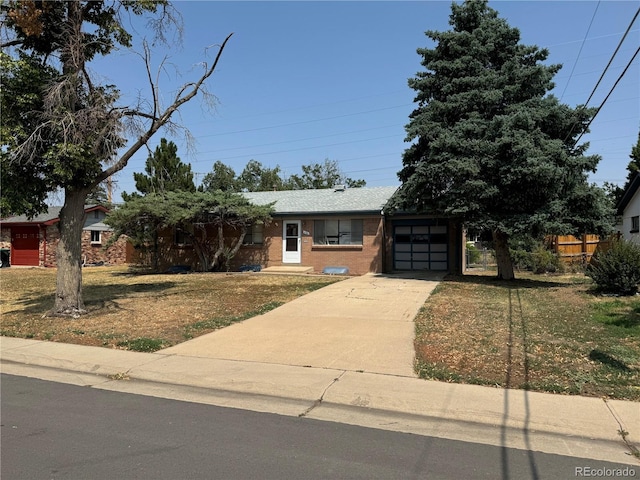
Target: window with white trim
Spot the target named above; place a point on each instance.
(254, 235)
(635, 224)
(337, 232)
(96, 237)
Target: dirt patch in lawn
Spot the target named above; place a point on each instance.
(143, 312)
(549, 334)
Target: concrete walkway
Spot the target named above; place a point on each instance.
(360, 324)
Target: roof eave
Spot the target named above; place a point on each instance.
(628, 195)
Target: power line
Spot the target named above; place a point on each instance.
(613, 56)
(303, 148)
(305, 121)
(608, 95)
(300, 139)
(600, 79)
(580, 51)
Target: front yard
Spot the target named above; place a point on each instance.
(142, 312)
(544, 333)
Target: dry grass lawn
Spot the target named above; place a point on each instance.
(544, 333)
(142, 312)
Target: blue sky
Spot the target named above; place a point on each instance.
(300, 82)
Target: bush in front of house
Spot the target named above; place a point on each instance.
(616, 270)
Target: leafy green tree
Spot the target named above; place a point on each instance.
(222, 177)
(73, 136)
(25, 186)
(257, 178)
(206, 218)
(164, 172)
(323, 175)
(490, 146)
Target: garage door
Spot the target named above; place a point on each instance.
(25, 242)
(420, 247)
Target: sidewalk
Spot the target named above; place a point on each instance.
(311, 368)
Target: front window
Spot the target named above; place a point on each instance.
(337, 232)
(635, 224)
(254, 235)
(95, 236)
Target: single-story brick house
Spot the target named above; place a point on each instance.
(33, 242)
(337, 227)
(628, 210)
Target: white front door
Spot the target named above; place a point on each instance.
(291, 241)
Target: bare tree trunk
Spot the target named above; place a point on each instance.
(503, 257)
(68, 300)
(220, 249)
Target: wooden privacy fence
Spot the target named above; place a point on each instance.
(574, 250)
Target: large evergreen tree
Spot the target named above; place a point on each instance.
(72, 137)
(164, 172)
(490, 146)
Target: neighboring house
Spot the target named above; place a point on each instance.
(33, 242)
(628, 209)
(338, 227)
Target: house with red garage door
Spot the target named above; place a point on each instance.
(33, 241)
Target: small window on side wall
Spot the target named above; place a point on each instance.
(180, 237)
(96, 237)
(254, 235)
(635, 224)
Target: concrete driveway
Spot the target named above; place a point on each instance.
(359, 324)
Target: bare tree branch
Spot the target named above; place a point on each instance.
(159, 120)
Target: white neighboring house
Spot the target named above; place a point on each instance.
(628, 209)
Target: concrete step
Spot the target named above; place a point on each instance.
(287, 269)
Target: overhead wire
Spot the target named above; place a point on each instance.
(580, 51)
(585, 128)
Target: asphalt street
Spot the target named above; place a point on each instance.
(59, 431)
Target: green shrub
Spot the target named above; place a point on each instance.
(616, 270)
(539, 260)
(543, 261)
(521, 259)
(473, 254)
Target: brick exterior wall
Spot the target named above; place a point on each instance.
(374, 255)
(5, 237)
(92, 253)
(360, 259)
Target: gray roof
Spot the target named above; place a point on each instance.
(52, 213)
(325, 201)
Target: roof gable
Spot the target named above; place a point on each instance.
(324, 201)
(628, 194)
